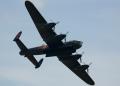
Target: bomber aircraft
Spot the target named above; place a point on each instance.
(54, 46)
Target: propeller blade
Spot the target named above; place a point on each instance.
(66, 36)
(80, 59)
(90, 63)
(83, 53)
(65, 39)
(55, 25)
(54, 28)
(89, 66)
(67, 33)
(57, 22)
(87, 70)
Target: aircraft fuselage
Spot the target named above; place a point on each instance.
(69, 47)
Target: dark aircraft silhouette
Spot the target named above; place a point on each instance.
(54, 46)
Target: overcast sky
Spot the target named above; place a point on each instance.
(95, 22)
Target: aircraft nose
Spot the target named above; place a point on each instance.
(80, 44)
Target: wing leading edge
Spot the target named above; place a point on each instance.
(36, 16)
(41, 24)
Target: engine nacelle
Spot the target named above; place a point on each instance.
(22, 53)
(50, 25)
(76, 56)
(84, 67)
(60, 37)
(57, 38)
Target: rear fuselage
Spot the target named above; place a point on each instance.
(66, 49)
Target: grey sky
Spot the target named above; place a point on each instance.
(95, 22)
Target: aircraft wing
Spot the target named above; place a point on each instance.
(74, 66)
(36, 16)
(39, 21)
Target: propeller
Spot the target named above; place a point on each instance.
(66, 36)
(81, 56)
(58, 22)
(55, 25)
(88, 67)
(81, 59)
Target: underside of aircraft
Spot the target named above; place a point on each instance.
(55, 46)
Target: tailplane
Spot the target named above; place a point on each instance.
(17, 36)
(20, 43)
(39, 63)
(26, 51)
